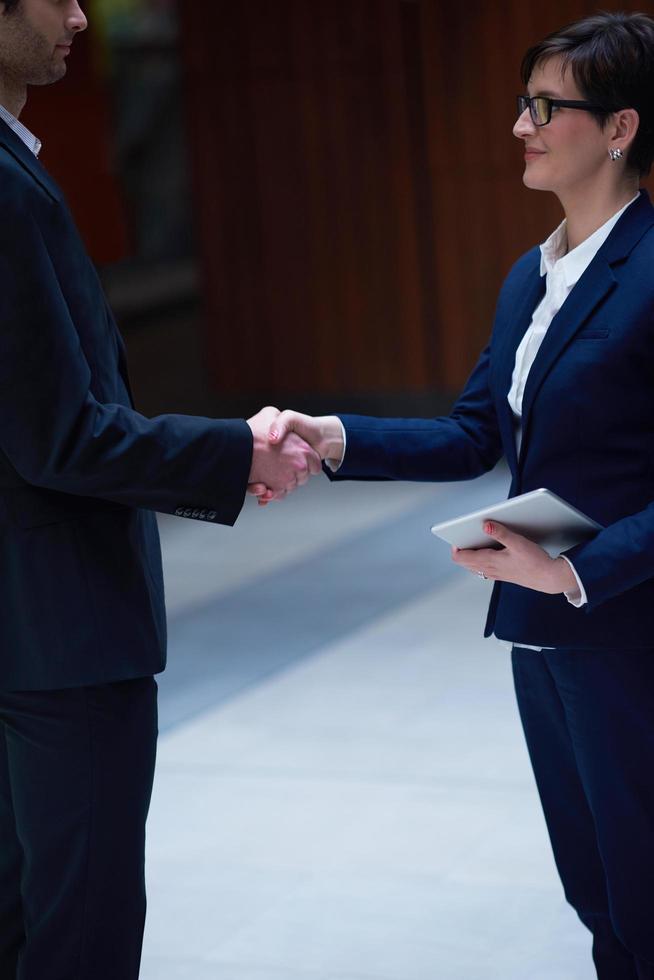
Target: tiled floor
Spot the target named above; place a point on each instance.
(342, 789)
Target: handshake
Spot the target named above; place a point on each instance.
(288, 449)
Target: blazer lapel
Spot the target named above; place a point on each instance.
(585, 298)
(26, 159)
(532, 292)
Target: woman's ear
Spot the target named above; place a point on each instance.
(623, 129)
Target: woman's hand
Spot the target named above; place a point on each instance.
(519, 561)
(325, 434)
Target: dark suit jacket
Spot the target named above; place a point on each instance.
(81, 472)
(588, 435)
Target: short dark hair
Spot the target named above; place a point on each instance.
(9, 5)
(611, 56)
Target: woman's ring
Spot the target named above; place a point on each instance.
(481, 575)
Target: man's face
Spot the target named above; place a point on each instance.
(35, 39)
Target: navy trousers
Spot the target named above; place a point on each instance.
(588, 717)
(76, 771)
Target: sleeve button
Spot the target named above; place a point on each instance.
(211, 516)
(179, 512)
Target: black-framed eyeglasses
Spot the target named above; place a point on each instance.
(540, 107)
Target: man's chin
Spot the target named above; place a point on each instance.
(54, 73)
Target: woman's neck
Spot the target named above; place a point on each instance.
(587, 212)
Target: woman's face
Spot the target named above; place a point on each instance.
(571, 150)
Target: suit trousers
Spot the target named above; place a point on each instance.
(76, 771)
(588, 718)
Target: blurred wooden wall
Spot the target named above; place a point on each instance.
(358, 186)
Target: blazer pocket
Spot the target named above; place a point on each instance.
(593, 333)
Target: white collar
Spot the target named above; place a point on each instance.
(573, 264)
(29, 139)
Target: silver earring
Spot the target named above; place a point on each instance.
(616, 153)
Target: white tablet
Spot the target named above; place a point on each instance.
(539, 515)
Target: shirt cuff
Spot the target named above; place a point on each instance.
(575, 599)
(335, 464)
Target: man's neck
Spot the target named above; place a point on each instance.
(12, 96)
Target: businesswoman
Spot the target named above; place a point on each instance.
(565, 390)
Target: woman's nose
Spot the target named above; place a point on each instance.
(524, 125)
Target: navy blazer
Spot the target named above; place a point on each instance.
(81, 472)
(588, 435)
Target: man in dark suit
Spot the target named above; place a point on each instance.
(82, 620)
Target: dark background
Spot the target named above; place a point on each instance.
(310, 203)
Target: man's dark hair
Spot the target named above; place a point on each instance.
(611, 56)
(9, 5)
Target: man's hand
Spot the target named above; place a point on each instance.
(520, 561)
(324, 433)
(278, 467)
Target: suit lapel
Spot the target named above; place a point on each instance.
(24, 156)
(14, 145)
(587, 296)
(531, 293)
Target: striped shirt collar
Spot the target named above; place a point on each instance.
(29, 139)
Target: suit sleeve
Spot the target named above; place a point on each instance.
(460, 446)
(618, 558)
(57, 435)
